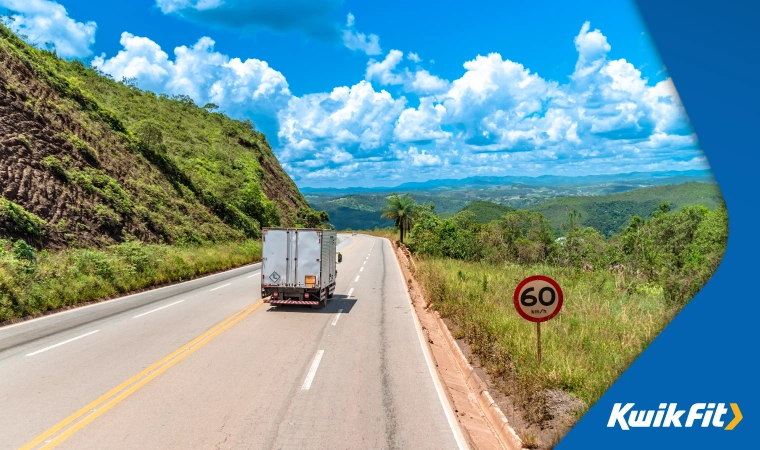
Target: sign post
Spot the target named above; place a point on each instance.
(538, 299)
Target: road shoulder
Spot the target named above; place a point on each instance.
(478, 415)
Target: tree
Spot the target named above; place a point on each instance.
(400, 210)
(308, 218)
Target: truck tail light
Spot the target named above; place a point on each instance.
(306, 295)
(274, 294)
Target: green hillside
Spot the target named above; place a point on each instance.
(92, 161)
(607, 213)
(486, 212)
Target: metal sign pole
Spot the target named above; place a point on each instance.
(538, 340)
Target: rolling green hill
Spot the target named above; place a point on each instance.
(486, 212)
(607, 213)
(89, 161)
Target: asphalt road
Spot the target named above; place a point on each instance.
(205, 364)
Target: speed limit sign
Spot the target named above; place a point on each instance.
(538, 298)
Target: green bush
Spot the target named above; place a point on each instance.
(16, 219)
(89, 154)
(56, 167)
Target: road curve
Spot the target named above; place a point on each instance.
(206, 364)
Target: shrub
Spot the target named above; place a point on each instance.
(56, 167)
(16, 219)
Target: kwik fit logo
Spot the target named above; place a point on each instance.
(668, 415)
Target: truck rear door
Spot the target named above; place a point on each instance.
(309, 256)
(274, 258)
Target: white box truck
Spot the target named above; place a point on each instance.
(298, 266)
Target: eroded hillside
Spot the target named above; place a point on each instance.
(86, 160)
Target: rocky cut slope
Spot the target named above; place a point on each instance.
(86, 160)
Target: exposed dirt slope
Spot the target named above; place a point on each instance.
(77, 166)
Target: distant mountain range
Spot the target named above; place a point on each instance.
(645, 178)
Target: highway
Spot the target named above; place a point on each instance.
(206, 364)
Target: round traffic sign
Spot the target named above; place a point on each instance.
(538, 298)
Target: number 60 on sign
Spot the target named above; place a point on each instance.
(538, 298)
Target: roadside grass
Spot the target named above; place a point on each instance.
(389, 233)
(33, 282)
(605, 323)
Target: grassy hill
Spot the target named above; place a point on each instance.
(89, 161)
(607, 213)
(486, 212)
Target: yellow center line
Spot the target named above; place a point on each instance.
(349, 248)
(172, 359)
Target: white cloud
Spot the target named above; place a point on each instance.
(497, 118)
(355, 40)
(384, 71)
(413, 57)
(356, 119)
(422, 123)
(240, 88)
(420, 81)
(592, 50)
(421, 158)
(47, 23)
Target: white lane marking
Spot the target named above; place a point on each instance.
(157, 309)
(362, 269)
(254, 274)
(312, 371)
(447, 409)
(350, 291)
(365, 262)
(219, 287)
(357, 279)
(337, 316)
(62, 343)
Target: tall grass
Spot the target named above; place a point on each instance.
(34, 282)
(605, 323)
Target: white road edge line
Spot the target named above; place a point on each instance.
(157, 309)
(357, 279)
(219, 287)
(447, 408)
(350, 291)
(254, 274)
(312, 371)
(62, 343)
(337, 316)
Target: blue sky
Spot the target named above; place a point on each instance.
(356, 93)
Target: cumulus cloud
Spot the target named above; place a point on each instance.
(592, 49)
(247, 88)
(47, 24)
(357, 119)
(422, 158)
(354, 40)
(387, 72)
(498, 117)
(315, 18)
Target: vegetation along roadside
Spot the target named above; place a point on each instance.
(106, 188)
(620, 292)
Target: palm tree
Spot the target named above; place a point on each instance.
(400, 210)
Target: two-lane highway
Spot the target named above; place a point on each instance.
(206, 364)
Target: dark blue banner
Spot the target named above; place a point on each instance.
(695, 386)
